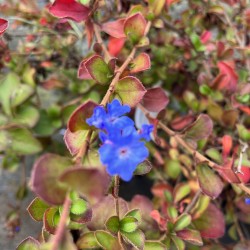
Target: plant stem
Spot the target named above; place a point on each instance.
(116, 195)
(62, 224)
(191, 150)
(193, 202)
(84, 148)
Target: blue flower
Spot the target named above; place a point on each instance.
(121, 152)
(247, 201)
(122, 146)
(105, 120)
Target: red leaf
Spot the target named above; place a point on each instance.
(115, 28)
(179, 123)
(115, 45)
(3, 25)
(227, 78)
(227, 144)
(155, 100)
(245, 177)
(77, 120)
(83, 72)
(89, 32)
(159, 219)
(69, 9)
(140, 63)
(211, 224)
(205, 37)
(227, 172)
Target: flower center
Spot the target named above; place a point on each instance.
(123, 152)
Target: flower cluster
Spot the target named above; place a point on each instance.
(122, 146)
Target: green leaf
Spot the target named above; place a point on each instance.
(196, 41)
(172, 168)
(29, 244)
(113, 224)
(7, 87)
(26, 115)
(209, 181)
(180, 191)
(45, 178)
(106, 240)
(23, 142)
(143, 168)
(98, 69)
(154, 245)
(136, 238)
(179, 243)
(172, 212)
(88, 241)
(214, 154)
(78, 207)
(21, 94)
(5, 140)
(136, 213)
(128, 224)
(130, 90)
(134, 27)
(183, 221)
(37, 209)
(244, 133)
(156, 6)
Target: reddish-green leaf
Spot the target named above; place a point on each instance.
(130, 90)
(191, 236)
(180, 191)
(140, 63)
(98, 69)
(209, 181)
(45, 178)
(74, 141)
(155, 99)
(3, 25)
(134, 27)
(69, 9)
(50, 219)
(77, 120)
(113, 224)
(37, 208)
(82, 180)
(29, 244)
(103, 210)
(88, 241)
(143, 168)
(200, 129)
(115, 28)
(106, 240)
(136, 238)
(211, 223)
